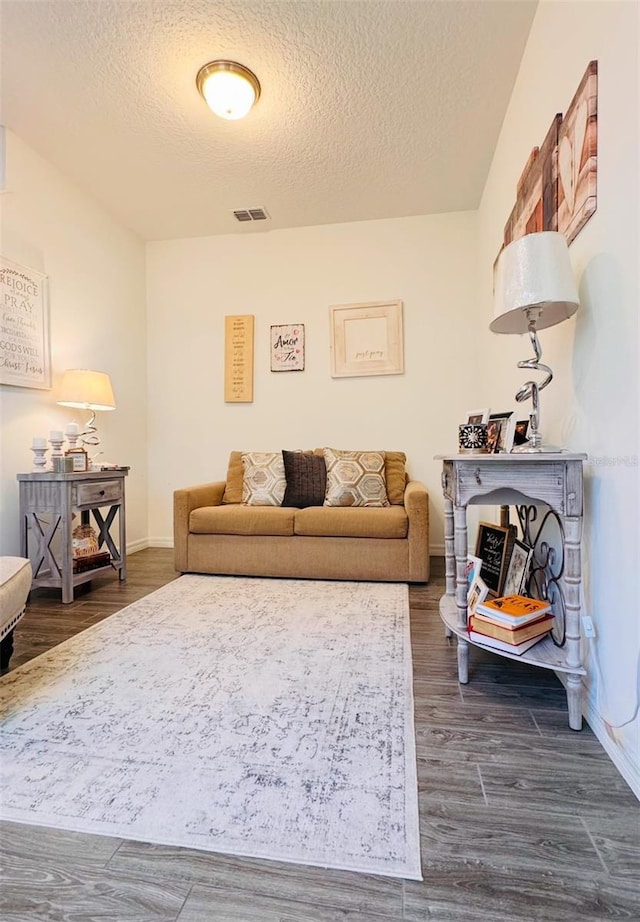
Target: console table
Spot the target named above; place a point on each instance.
(55, 496)
(526, 481)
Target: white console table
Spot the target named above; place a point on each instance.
(527, 481)
(56, 496)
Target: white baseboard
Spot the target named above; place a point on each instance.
(139, 545)
(159, 542)
(436, 550)
(621, 760)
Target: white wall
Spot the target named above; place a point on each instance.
(96, 273)
(592, 404)
(293, 276)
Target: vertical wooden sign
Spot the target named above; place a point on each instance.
(238, 358)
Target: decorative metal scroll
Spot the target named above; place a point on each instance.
(547, 563)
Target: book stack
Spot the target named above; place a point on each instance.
(91, 561)
(512, 623)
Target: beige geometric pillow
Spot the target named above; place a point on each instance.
(355, 478)
(264, 481)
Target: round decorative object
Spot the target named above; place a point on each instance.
(472, 437)
(84, 540)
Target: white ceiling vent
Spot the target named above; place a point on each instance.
(251, 214)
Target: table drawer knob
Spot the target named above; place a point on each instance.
(478, 477)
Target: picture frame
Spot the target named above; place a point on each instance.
(478, 416)
(500, 432)
(25, 350)
(366, 339)
(79, 458)
(577, 154)
(287, 347)
(478, 592)
(521, 432)
(474, 565)
(518, 568)
(493, 547)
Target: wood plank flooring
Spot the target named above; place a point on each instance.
(521, 818)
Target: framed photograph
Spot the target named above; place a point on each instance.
(287, 347)
(25, 353)
(473, 570)
(478, 593)
(493, 547)
(478, 416)
(521, 432)
(79, 458)
(500, 430)
(367, 339)
(518, 569)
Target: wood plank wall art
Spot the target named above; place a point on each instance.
(25, 354)
(238, 358)
(557, 188)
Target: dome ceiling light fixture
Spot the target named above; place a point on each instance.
(228, 88)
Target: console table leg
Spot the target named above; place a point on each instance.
(463, 661)
(574, 700)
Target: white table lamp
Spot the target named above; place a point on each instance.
(534, 289)
(89, 390)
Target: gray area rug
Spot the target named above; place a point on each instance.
(256, 717)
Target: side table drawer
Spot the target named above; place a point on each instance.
(98, 493)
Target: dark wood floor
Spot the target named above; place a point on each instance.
(521, 818)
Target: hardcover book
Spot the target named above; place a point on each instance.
(513, 610)
(505, 647)
(485, 626)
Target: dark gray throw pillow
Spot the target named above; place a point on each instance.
(306, 476)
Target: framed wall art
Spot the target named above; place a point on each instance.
(25, 356)
(238, 358)
(287, 347)
(367, 339)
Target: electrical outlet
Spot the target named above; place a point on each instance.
(588, 626)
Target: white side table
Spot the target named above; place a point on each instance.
(526, 481)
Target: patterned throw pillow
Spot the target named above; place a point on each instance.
(355, 478)
(306, 475)
(263, 483)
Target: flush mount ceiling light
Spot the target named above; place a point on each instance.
(228, 88)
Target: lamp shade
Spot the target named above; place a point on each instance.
(534, 272)
(88, 389)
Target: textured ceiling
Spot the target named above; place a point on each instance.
(368, 109)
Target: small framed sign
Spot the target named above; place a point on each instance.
(79, 459)
(493, 547)
(287, 347)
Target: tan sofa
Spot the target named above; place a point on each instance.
(215, 533)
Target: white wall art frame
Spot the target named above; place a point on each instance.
(287, 347)
(25, 351)
(367, 339)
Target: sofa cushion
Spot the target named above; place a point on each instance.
(235, 472)
(263, 482)
(236, 519)
(306, 475)
(396, 476)
(335, 522)
(355, 478)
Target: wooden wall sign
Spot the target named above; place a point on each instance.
(24, 327)
(238, 358)
(557, 188)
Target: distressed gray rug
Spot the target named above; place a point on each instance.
(256, 717)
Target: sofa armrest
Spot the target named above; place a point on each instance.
(416, 504)
(184, 502)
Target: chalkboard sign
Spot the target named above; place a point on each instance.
(493, 547)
